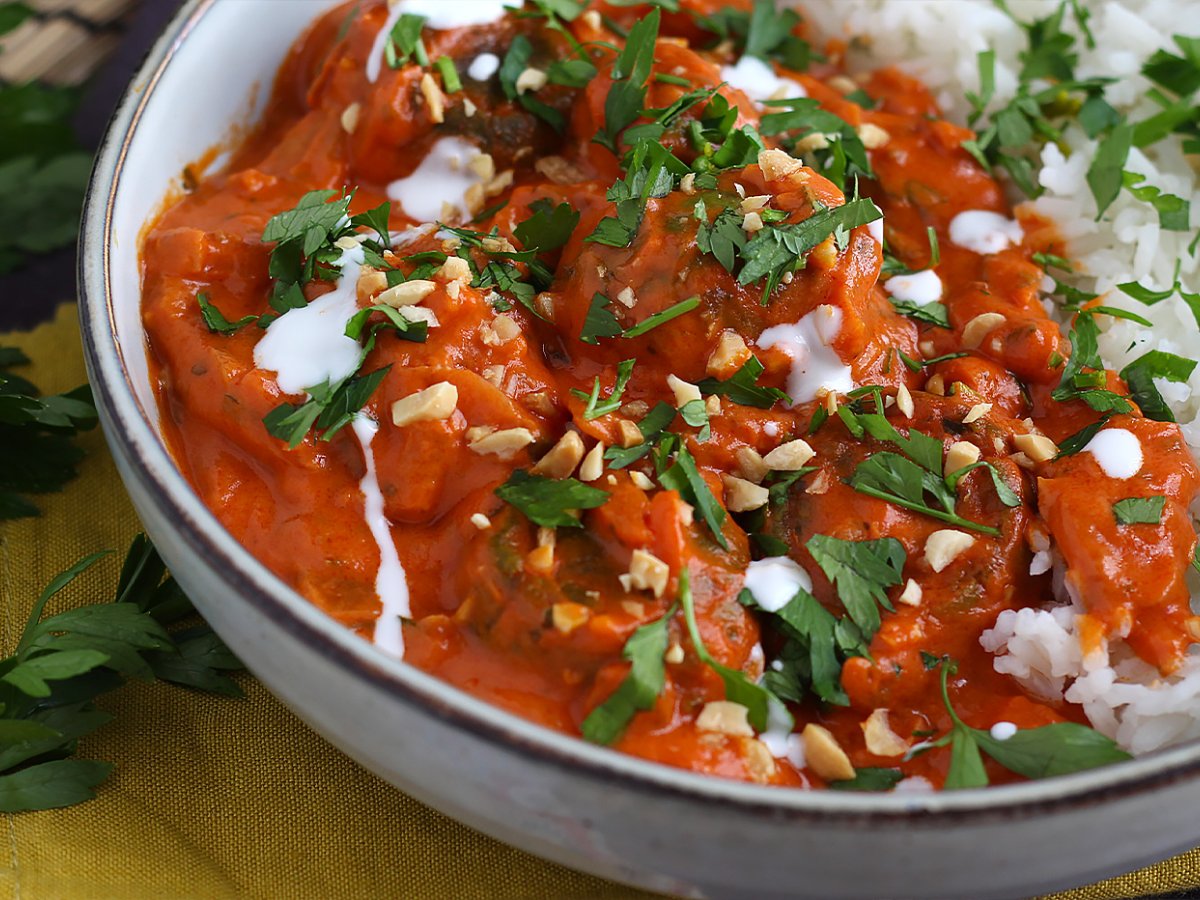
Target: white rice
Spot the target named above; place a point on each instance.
(938, 41)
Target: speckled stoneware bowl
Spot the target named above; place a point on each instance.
(552, 795)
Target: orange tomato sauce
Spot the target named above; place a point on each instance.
(487, 614)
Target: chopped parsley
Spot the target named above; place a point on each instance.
(550, 501)
(742, 387)
(215, 319)
(1032, 752)
(1140, 375)
(600, 322)
(861, 571)
(596, 407)
(934, 313)
(630, 74)
(1139, 510)
(641, 686)
(549, 228)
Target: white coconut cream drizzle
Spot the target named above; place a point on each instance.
(774, 581)
(484, 66)
(442, 177)
(875, 229)
(781, 741)
(306, 347)
(985, 232)
(439, 15)
(815, 364)
(390, 582)
(1118, 452)
(758, 81)
(919, 287)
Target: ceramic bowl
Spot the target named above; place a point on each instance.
(584, 806)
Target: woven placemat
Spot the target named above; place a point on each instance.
(64, 42)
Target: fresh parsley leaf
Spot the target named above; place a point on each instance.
(1179, 74)
(405, 42)
(639, 689)
(1007, 495)
(595, 408)
(1140, 375)
(1174, 213)
(870, 779)
(933, 313)
(742, 387)
(630, 72)
(681, 475)
(1105, 176)
(215, 319)
(549, 227)
(1139, 510)
(63, 662)
(549, 501)
(662, 317)
(861, 571)
(599, 321)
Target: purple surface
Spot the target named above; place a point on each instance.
(30, 295)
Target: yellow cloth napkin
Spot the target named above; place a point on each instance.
(215, 798)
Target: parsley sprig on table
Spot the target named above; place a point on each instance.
(1043, 752)
(63, 662)
(37, 454)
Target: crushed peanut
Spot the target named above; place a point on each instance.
(685, 392)
(880, 738)
(776, 165)
(646, 573)
(724, 717)
(960, 455)
(568, 616)
(407, 293)
(350, 116)
(977, 412)
(531, 80)
(742, 495)
(978, 328)
(434, 403)
(751, 464)
(592, 466)
(480, 521)
(1037, 447)
(824, 755)
(912, 593)
(504, 444)
(872, 136)
(435, 99)
(790, 456)
(904, 401)
(729, 354)
(629, 434)
(944, 546)
(560, 461)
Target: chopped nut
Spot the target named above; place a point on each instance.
(562, 458)
(646, 573)
(978, 328)
(480, 521)
(350, 117)
(912, 594)
(825, 254)
(531, 80)
(370, 282)
(627, 298)
(960, 455)
(611, 479)
(455, 268)
(730, 353)
(813, 141)
(724, 717)
(483, 165)
(635, 608)
(641, 480)
(559, 170)
(674, 654)
(1037, 447)
(944, 546)
(936, 385)
(630, 434)
(592, 19)
(754, 204)
(751, 465)
(687, 183)
(500, 183)
(1192, 624)
(685, 392)
(1023, 461)
(434, 403)
(541, 560)
(777, 165)
(635, 409)
(497, 245)
(880, 738)
(842, 84)
(742, 495)
(831, 403)
(752, 222)
(504, 444)
(493, 375)
(346, 243)
(760, 764)
(977, 412)
(469, 108)
(592, 466)
(407, 293)
(904, 401)
(499, 331)
(872, 136)
(568, 616)
(824, 755)
(434, 98)
(820, 483)
(790, 456)
(712, 405)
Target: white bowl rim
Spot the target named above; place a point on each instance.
(135, 438)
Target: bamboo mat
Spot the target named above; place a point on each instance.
(64, 42)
